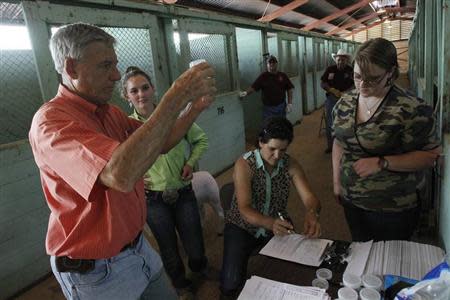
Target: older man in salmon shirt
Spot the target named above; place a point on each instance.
(92, 157)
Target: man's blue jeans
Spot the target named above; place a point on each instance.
(238, 246)
(272, 111)
(183, 216)
(330, 102)
(135, 273)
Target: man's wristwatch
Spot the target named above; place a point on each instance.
(383, 163)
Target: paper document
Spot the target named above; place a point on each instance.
(296, 248)
(359, 253)
(265, 289)
(403, 258)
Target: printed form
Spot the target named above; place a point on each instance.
(266, 289)
(296, 248)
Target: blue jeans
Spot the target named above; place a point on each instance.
(329, 105)
(238, 245)
(135, 273)
(368, 225)
(272, 111)
(183, 216)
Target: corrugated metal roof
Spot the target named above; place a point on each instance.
(304, 15)
(311, 11)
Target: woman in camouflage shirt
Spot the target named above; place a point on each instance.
(384, 139)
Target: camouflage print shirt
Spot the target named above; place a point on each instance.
(401, 124)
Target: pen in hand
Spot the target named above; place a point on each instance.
(282, 218)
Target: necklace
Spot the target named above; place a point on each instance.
(369, 108)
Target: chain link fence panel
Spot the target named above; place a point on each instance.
(20, 94)
(213, 48)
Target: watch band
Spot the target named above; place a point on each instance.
(383, 163)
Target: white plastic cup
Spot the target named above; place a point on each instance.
(372, 281)
(352, 281)
(347, 293)
(324, 273)
(196, 62)
(369, 294)
(320, 283)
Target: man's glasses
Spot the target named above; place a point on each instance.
(369, 81)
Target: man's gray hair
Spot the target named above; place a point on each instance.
(71, 40)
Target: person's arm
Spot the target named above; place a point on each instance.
(185, 122)
(198, 141)
(418, 140)
(256, 86)
(311, 203)
(134, 157)
(242, 177)
(406, 162)
(336, 156)
(325, 85)
(324, 80)
(250, 90)
(289, 96)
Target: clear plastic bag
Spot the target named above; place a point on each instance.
(435, 285)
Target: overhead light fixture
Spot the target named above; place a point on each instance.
(389, 25)
(380, 5)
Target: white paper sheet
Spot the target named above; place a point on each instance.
(359, 253)
(265, 289)
(404, 258)
(296, 248)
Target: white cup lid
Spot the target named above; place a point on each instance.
(347, 293)
(372, 281)
(351, 280)
(320, 283)
(369, 294)
(324, 273)
(196, 62)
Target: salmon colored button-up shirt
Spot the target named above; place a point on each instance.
(72, 141)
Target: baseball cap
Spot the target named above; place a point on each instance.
(272, 59)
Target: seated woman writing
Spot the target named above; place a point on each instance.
(262, 179)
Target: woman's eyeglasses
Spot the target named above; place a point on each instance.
(370, 81)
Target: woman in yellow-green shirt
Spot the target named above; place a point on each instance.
(171, 203)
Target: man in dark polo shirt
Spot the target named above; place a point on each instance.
(273, 85)
(337, 79)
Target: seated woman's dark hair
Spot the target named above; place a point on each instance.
(131, 72)
(276, 128)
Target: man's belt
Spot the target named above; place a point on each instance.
(184, 189)
(82, 266)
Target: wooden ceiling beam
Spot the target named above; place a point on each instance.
(282, 10)
(367, 27)
(371, 16)
(401, 18)
(352, 23)
(336, 14)
(399, 9)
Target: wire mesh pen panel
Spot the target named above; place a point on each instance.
(213, 48)
(20, 95)
(289, 64)
(133, 48)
